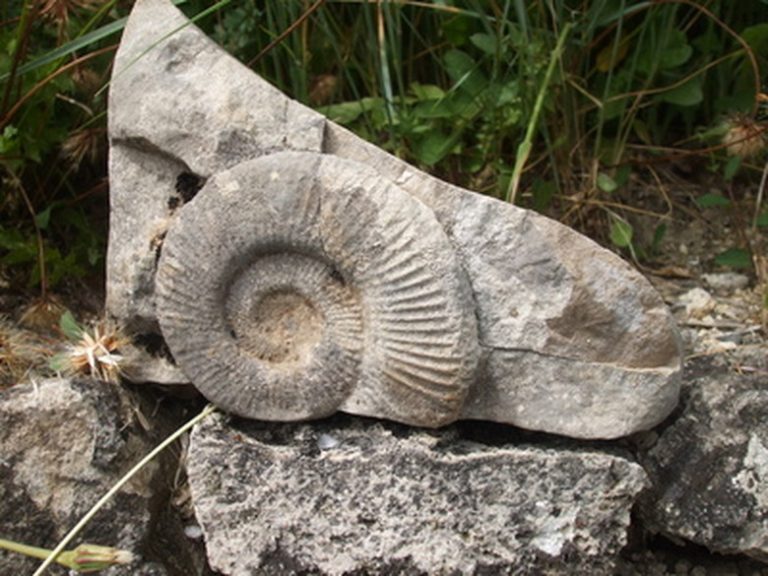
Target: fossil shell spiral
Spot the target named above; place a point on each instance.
(298, 284)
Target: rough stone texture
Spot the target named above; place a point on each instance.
(63, 444)
(572, 340)
(351, 496)
(709, 469)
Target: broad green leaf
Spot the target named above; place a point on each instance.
(456, 30)
(621, 233)
(734, 258)
(688, 94)
(69, 326)
(11, 239)
(433, 148)
(756, 36)
(43, 218)
(667, 52)
(464, 72)
(762, 220)
(732, 167)
(543, 191)
(9, 139)
(486, 42)
(427, 91)
(622, 175)
(23, 254)
(676, 52)
(348, 112)
(658, 236)
(711, 200)
(606, 61)
(60, 362)
(606, 183)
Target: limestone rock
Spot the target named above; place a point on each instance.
(709, 469)
(63, 443)
(569, 339)
(349, 496)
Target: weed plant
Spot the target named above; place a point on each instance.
(453, 86)
(54, 56)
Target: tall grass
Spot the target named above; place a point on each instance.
(452, 86)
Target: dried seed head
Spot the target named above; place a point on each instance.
(85, 143)
(95, 353)
(59, 10)
(20, 352)
(744, 136)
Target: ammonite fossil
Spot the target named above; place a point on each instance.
(289, 269)
(298, 284)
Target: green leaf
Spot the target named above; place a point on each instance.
(543, 191)
(664, 51)
(70, 327)
(732, 167)
(70, 47)
(60, 362)
(676, 52)
(434, 109)
(43, 218)
(486, 42)
(688, 94)
(621, 233)
(427, 91)
(348, 112)
(433, 148)
(9, 139)
(658, 236)
(606, 183)
(464, 72)
(11, 239)
(734, 258)
(762, 220)
(711, 200)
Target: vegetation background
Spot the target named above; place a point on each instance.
(591, 112)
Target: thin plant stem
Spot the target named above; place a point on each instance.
(31, 551)
(524, 150)
(25, 27)
(31, 92)
(759, 200)
(39, 238)
(285, 33)
(207, 411)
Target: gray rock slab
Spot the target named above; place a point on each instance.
(63, 444)
(354, 496)
(709, 469)
(571, 339)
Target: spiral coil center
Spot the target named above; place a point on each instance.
(283, 329)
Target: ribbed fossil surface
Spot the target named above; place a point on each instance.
(297, 284)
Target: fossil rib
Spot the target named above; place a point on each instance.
(284, 288)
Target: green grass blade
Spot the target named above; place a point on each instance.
(74, 45)
(70, 47)
(524, 149)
